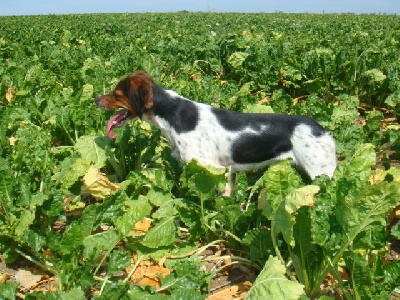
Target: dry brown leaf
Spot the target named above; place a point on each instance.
(10, 95)
(97, 184)
(343, 274)
(237, 291)
(142, 227)
(394, 214)
(12, 140)
(146, 274)
(298, 99)
(266, 99)
(27, 279)
(4, 277)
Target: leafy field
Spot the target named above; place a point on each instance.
(83, 216)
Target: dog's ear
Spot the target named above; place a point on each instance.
(141, 92)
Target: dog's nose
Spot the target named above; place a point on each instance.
(97, 100)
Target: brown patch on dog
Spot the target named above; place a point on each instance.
(135, 93)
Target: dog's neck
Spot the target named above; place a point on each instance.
(171, 110)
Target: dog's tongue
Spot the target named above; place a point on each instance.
(114, 121)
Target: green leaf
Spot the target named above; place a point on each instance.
(34, 240)
(119, 259)
(75, 293)
(158, 178)
(345, 113)
(25, 221)
(162, 234)
(237, 59)
(73, 239)
(8, 290)
(87, 93)
(202, 180)
(258, 109)
(71, 170)
(158, 198)
(92, 148)
(375, 75)
(358, 167)
(395, 231)
(187, 281)
(260, 243)
(362, 207)
(95, 244)
(393, 99)
(360, 273)
(137, 211)
(284, 219)
(271, 283)
(392, 274)
(278, 180)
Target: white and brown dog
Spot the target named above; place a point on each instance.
(220, 137)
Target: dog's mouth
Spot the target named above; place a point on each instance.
(118, 120)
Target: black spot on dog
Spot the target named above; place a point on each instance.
(253, 148)
(180, 113)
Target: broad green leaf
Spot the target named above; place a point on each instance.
(260, 243)
(158, 198)
(392, 274)
(393, 99)
(88, 220)
(95, 244)
(395, 231)
(258, 108)
(119, 259)
(75, 293)
(72, 169)
(271, 283)
(8, 290)
(245, 90)
(162, 234)
(360, 208)
(358, 167)
(166, 210)
(93, 149)
(202, 180)
(279, 180)
(72, 239)
(137, 211)
(237, 59)
(351, 175)
(284, 219)
(187, 279)
(87, 93)
(306, 256)
(24, 222)
(360, 273)
(345, 113)
(34, 240)
(158, 178)
(375, 75)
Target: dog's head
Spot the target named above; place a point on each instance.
(134, 94)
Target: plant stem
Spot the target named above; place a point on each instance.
(277, 252)
(139, 260)
(49, 269)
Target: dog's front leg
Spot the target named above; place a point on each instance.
(229, 183)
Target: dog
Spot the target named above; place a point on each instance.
(219, 137)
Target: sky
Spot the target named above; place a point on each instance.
(43, 7)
